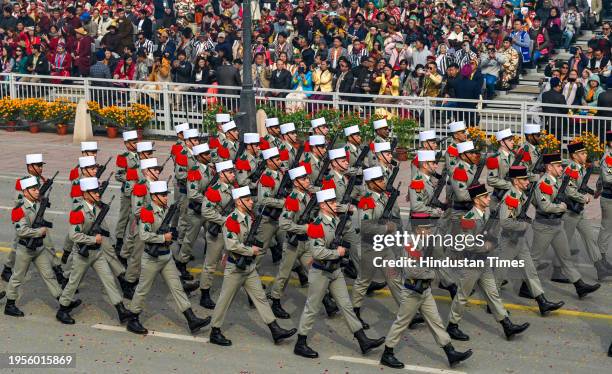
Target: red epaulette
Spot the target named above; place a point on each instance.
(213, 143)
(18, 185)
(17, 214)
(283, 154)
(572, 173)
(131, 174)
(512, 202)
(267, 181)
(76, 217)
(232, 225)
(366, 203)
(146, 215)
(181, 159)
(468, 224)
(492, 163)
(315, 231)
(328, 183)
(306, 166)
(139, 189)
(75, 190)
(452, 151)
(74, 174)
(176, 149)
(213, 195)
(223, 152)
(121, 161)
(546, 188)
(460, 175)
(244, 165)
(263, 144)
(417, 184)
(292, 204)
(194, 175)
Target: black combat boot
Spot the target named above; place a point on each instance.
(451, 288)
(524, 291)
(302, 275)
(330, 305)
(59, 275)
(7, 272)
(216, 337)
(389, 359)
(547, 306)
(190, 287)
(302, 349)
(123, 313)
(195, 323)
(416, 320)
(610, 350)
(602, 271)
(510, 329)
(455, 333)
(135, 326)
(583, 289)
(278, 310)
(205, 300)
(73, 304)
(364, 325)
(375, 286)
(10, 309)
(279, 333)
(182, 268)
(366, 344)
(128, 289)
(455, 357)
(63, 315)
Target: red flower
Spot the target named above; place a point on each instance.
(181, 159)
(267, 181)
(76, 217)
(17, 214)
(75, 191)
(492, 163)
(460, 175)
(512, 202)
(291, 204)
(139, 189)
(194, 175)
(366, 203)
(417, 185)
(306, 166)
(546, 188)
(315, 231)
(328, 183)
(74, 174)
(213, 195)
(232, 225)
(131, 175)
(468, 224)
(121, 161)
(146, 215)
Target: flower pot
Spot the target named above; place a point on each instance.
(140, 133)
(10, 126)
(62, 129)
(111, 132)
(401, 154)
(34, 127)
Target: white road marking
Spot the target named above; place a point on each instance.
(420, 369)
(46, 211)
(152, 333)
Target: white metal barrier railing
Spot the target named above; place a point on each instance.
(174, 103)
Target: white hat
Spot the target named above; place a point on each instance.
(88, 184)
(158, 187)
(317, 122)
(144, 147)
(28, 182)
(271, 122)
(228, 126)
(224, 165)
(372, 173)
(239, 192)
(426, 155)
(465, 146)
(379, 124)
(324, 195)
(87, 161)
(89, 146)
(456, 126)
(427, 135)
(382, 147)
(316, 140)
(337, 153)
(269, 153)
(191, 133)
(200, 148)
(503, 134)
(147, 163)
(348, 131)
(182, 127)
(34, 158)
(287, 128)
(300, 171)
(222, 117)
(251, 138)
(130, 135)
(531, 129)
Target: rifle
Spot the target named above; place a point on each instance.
(281, 192)
(584, 188)
(165, 227)
(39, 221)
(240, 151)
(214, 228)
(243, 261)
(322, 171)
(479, 169)
(435, 202)
(362, 155)
(522, 216)
(393, 143)
(346, 198)
(96, 228)
(438, 142)
(298, 156)
(332, 142)
(390, 203)
(102, 168)
(104, 184)
(391, 179)
(293, 238)
(255, 175)
(338, 241)
(47, 185)
(538, 166)
(517, 160)
(197, 207)
(561, 196)
(164, 164)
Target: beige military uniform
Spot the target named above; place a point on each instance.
(312, 164)
(530, 158)
(267, 189)
(178, 148)
(605, 201)
(499, 165)
(140, 198)
(226, 151)
(151, 218)
(183, 162)
(126, 174)
(461, 177)
(246, 164)
(234, 233)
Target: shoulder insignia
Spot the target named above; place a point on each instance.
(181, 159)
(146, 215)
(459, 174)
(315, 231)
(18, 185)
(512, 202)
(74, 174)
(292, 204)
(223, 152)
(307, 146)
(121, 161)
(546, 188)
(572, 173)
(452, 151)
(609, 161)
(17, 214)
(492, 163)
(283, 155)
(194, 175)
(75, 190)
(132, 174)
(213, 143)
(176, 149)
(267, 181)
(232, 225)
(76, 217)
(366, 203)
(263, 143)
(524, 154)
(469, 215)
(306, 166)
(468, 224)
(243, 164)
(328, 183)
(417, 184)
(213, 195)
(139, 190)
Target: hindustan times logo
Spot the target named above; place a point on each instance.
(457, 242)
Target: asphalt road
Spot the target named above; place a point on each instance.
(573, 340)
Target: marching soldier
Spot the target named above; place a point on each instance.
(458, 135)
(313, 160)
(157, 259)
(30, 245)
(318, 126)
(127, 174)
(573, 219)
(381, 135)
(216, 139)
(177, 149)
(325, 273)
(183, 162)
(290, 147)
(354, 145)
(248, 161)
(370, 210)
(272, 138)
(199, 178)
(241, 271)
(384, 158)
(605, 185)
(513, 244)
(473, 223)
(531, 152)
(215, 208)
(547, 227)
(228, 147)
(462, 176)
(417, 296)
(82, 218)
(499, 164)
(428, 142)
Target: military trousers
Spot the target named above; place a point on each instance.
(214, 252)
(551, 233)
(125, 206)
(193, 223)
(319, 282)
(130, 236)
(132, 271)
(42, 260)
(48, 246)
(367, 270)
(511, 250)
(233, 280)
(605, 232)
(290, 255)
(150, 268)
(573, 222)
(413, 302)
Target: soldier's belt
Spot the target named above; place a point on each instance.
(462, 205)
(240, 261)
(574, 206)
(548, 218)
(417, 285)
(273, 213)
(295, 239)
(498, 193)
(195, 206)
(36, 243)
(329, 265)
(606, 193)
